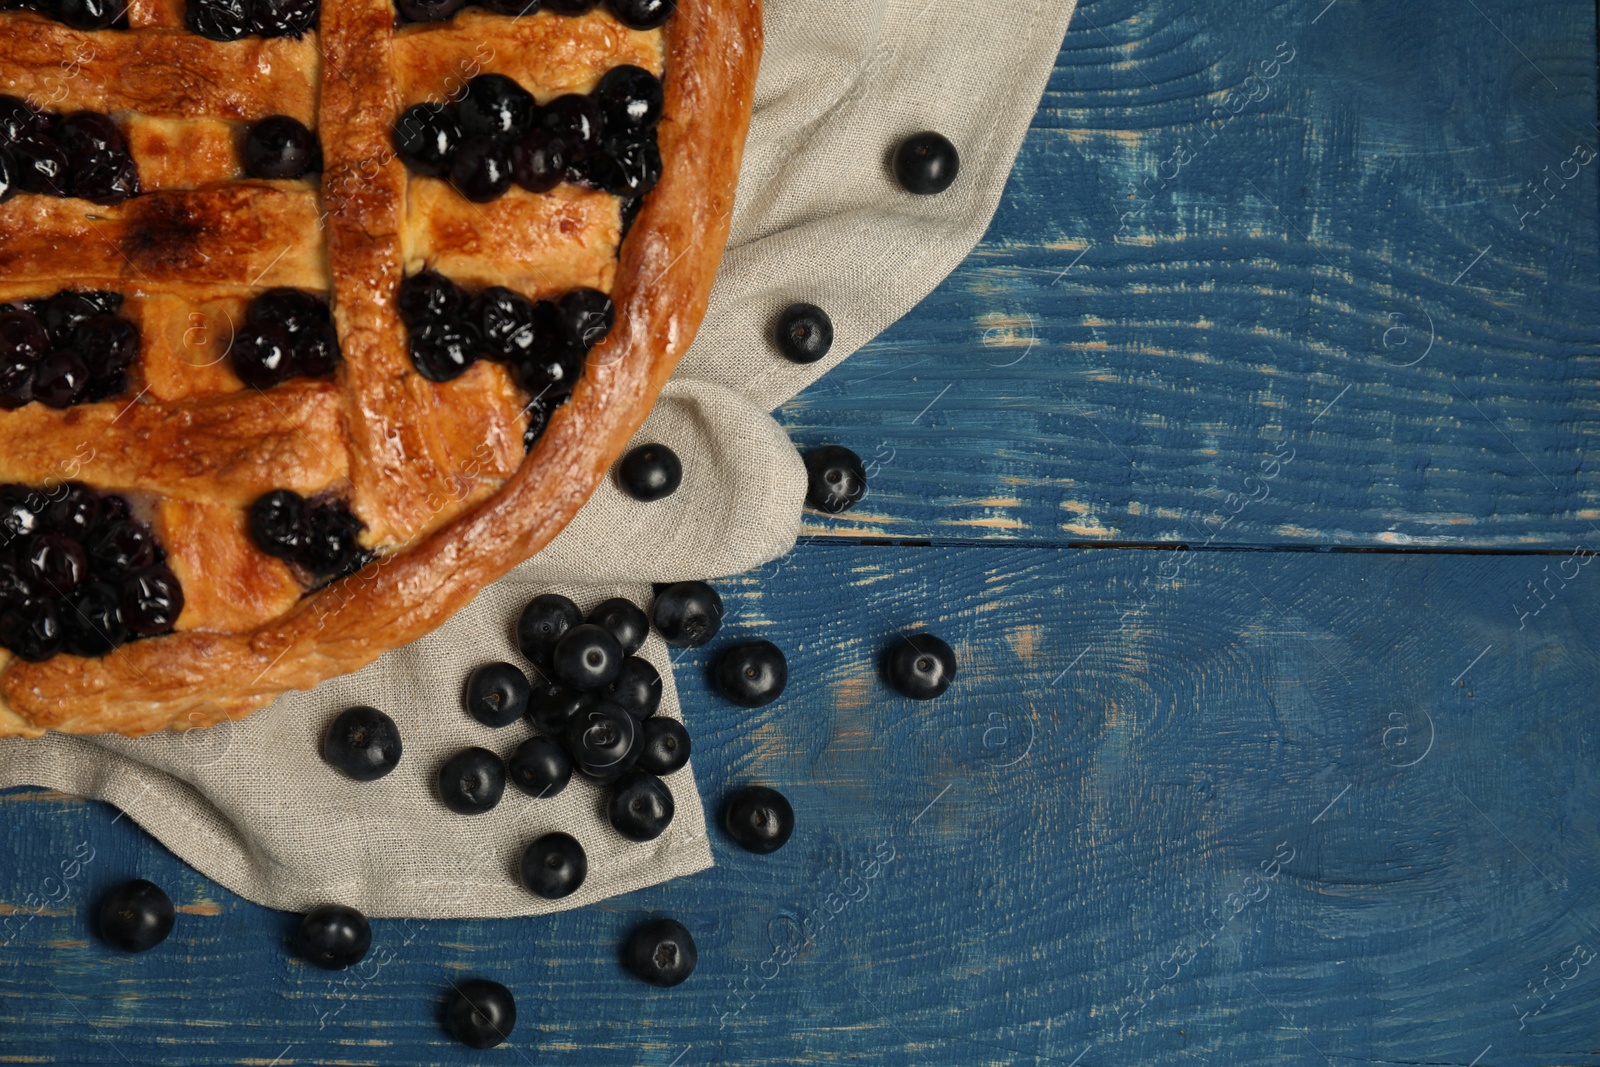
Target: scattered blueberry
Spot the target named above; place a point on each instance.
(587, 657)
(688, 614)
(626, 620)
(279, 147)
(629, 99)
(752, 674)
(482, 1013)
(554, 866)
(759, 819)
(363, 743)
(636, 689)
(836, 480)
(540, 767)
(650, 472)
(136, 916)
(426, 137)
(664, 746)
(662, 953)
(603, 740)
(543, 623)
(920, 666)
(926, 163)
(334, 937)
(472, 781)
(641, 807)
(551, 708)
(497, 694)
(805, 333)
(262, 356)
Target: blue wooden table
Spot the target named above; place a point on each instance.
(1270, 276)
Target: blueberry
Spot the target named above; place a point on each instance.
(496, 107)
(92, 625)
(32, 630)
(444, 350)
(73, 509)
(575, 119)
(752, 674)
(280, 524)
(109, 344)
(279, 147)
(641, 807)
(636, 688)
(15, 589)
(426, 137)
(54, 562)
(554, 866)
(586, 316)
(629, 99)
(285, 18)
(481, 169)
(663, 746)
(120, 547)
(219, 20)
(603, 740)
(106, 181)
(497, 694)
(471, 781)
(23, 337)
(152, 600)
(429, 10)
(805, 333)
(759, 819)
(649, 472)
(362, 743)
(836, 480)
(136, 916)
(539, 160)
(334, 937)
(551, 707)
(91, 15)
(688, 614)
(630, 211)
(570, 7)
(60, 379)
(586, 657)
(294, 311)
(552, 374)
(926, 163)
(540, 767)
(335, 549)
(429, 296)
(16, 383)
(662, 953)
(481, 1013)
(41, 165)
(17, 118)
(514, 8)
(21, 511)
(642, 14)
(626, 621)
(314, 353)
(504, 319)
(627, 167)
(538, 410)
(262, 356)
(65, 312)
(920, 666)
(87, 137)
(113, 508)
(544, 622)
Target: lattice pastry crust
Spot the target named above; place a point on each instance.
(435, 471)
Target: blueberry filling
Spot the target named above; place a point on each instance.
(287, 333)
(279, 147)
(496, 135)
(70, 348)
(78, 575)
(86, 15)
(635, 14)
(82, 154)
(322, 538)
(229, 20)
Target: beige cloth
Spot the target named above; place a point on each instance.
(252, 805)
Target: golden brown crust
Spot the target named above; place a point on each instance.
(663, 281)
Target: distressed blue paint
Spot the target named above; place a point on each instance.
(1130, 737)
(1296, 256)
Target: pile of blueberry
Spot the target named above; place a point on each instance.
(66, 349)
(288, 333)
(229, 20)
(83, 15)
(78, 573)
(635, 14)
(82, 154)
(321, 538)
(497, 134)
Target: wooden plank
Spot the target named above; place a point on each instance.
(1229, 808)
(1181, 277)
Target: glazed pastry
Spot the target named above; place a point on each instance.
(313, 323)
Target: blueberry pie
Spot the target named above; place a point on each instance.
(315, 321)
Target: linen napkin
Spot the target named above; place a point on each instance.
(818, 218)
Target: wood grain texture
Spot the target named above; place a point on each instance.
(1180, 276)
(1070, 854)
